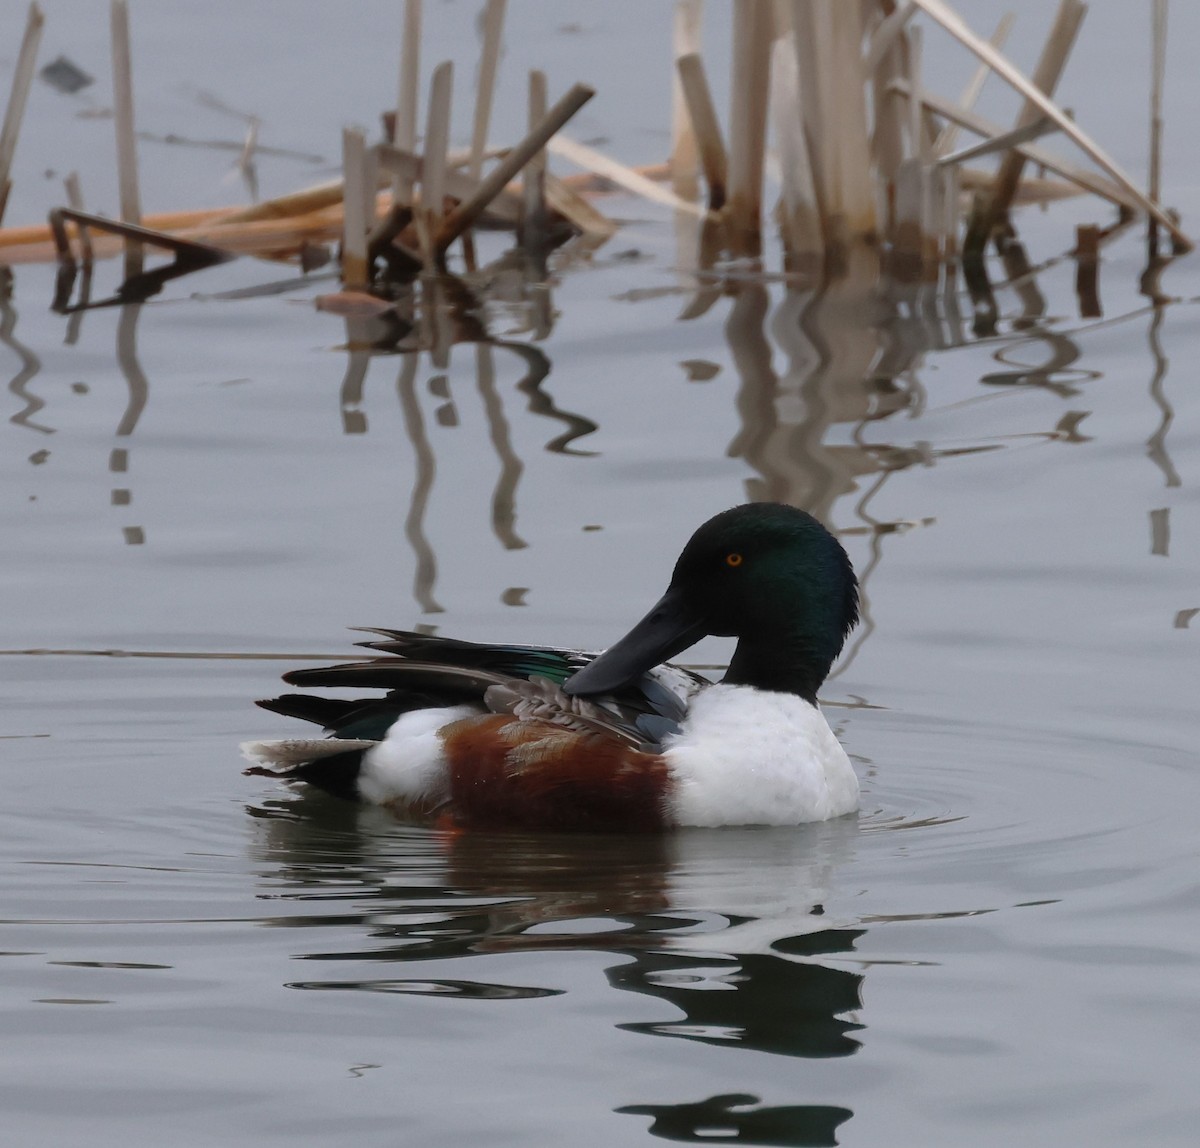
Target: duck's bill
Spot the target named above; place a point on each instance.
(669, 629)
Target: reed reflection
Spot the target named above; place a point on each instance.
(1156, 444)
(139, 395)
(428, 322)
(822, 367)
(511, 467)
(853, 348)
(836, 339)
(30, 364)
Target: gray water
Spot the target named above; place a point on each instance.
(1002, 948)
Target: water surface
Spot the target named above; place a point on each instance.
(1000, 948)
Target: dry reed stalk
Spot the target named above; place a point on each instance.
(75, 200)
(1085, 179)
(885, 62)
(827, 36)
(948, 136)
(1033, 189)
(428, 215)
(911, 226)
(1158, 67)
(17, 237)
(15, 112)
(303, 202)
(319, 196)
(497, 179)
(370, 184)
(316, 214)
(404, 131)
(916, 109)
(187, 252)
(942, 14)
(750, 87)
(245, 159)
(809, 23)
(685, 157)
(629, 178)
(493, 25)
(1005, 142)
(505, 206)
(271, 235)
(854, 193)
(561, 197)
(1050, 67)
(533, 222)
(127, 172)
(800, 223)
(593, 183)
(46, 250)
(355, 272)
(886, 34)
(706, 130)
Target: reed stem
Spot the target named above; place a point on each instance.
(15, 112)
(127, 167)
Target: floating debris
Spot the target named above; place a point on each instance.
(700, 370)
(65, 76)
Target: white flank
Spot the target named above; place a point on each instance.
(753, 757)
(408, 765)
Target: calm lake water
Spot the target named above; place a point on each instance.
(1002, 948)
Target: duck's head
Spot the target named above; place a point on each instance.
(767, 574)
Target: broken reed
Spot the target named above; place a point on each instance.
(866, 153)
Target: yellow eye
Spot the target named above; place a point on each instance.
(733, 559)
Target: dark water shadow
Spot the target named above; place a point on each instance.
(740, 1118)
(766, 1002)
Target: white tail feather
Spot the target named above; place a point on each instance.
(290, 752)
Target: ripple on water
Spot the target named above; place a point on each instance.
(465, 990)
(1005, 790)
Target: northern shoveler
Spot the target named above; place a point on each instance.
(542, 738)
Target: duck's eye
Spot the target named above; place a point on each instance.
(733, 559)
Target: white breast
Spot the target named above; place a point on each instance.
(752, 757)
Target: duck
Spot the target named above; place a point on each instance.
(472, 736)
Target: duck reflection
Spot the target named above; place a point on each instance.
(729, 1119)
(774, 1005)
(727, 929)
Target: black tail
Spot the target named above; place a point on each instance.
(318, 763)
